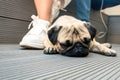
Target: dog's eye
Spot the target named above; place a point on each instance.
(86, 40)
(66, 44)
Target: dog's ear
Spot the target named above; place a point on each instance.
(91, 30)
(53, 34)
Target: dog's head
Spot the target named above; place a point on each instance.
(72, 39)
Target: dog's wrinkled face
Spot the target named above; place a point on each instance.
(72, 39)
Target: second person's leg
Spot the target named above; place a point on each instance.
(83, 10)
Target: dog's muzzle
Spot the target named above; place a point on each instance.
(78, 50)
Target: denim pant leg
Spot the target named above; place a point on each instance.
(83, 9)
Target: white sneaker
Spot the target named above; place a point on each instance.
(36, 36)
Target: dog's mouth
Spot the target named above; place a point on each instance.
(77, 50)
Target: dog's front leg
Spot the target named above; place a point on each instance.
(50, 48)
(103, 49)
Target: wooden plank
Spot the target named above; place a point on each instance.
(19, 9)
(114, 38)
(12, 31)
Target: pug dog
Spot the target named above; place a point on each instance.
(71, 37)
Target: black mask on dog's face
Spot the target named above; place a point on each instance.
(79, 48)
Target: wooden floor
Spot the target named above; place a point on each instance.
(20, 64)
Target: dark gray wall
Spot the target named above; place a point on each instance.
(14, 19)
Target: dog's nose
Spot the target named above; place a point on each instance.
(77, 45)
(77, 51)
(80, 51)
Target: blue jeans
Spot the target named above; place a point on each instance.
(83, 9)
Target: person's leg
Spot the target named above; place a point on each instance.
(83, 10)
(35, 37)
(43, 8)
(47, 10)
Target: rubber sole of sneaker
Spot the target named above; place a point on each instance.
(31, 46)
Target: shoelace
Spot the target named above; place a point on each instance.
(35, 18)
(31, 23)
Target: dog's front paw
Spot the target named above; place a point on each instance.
(109, 52)
(50, 50)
